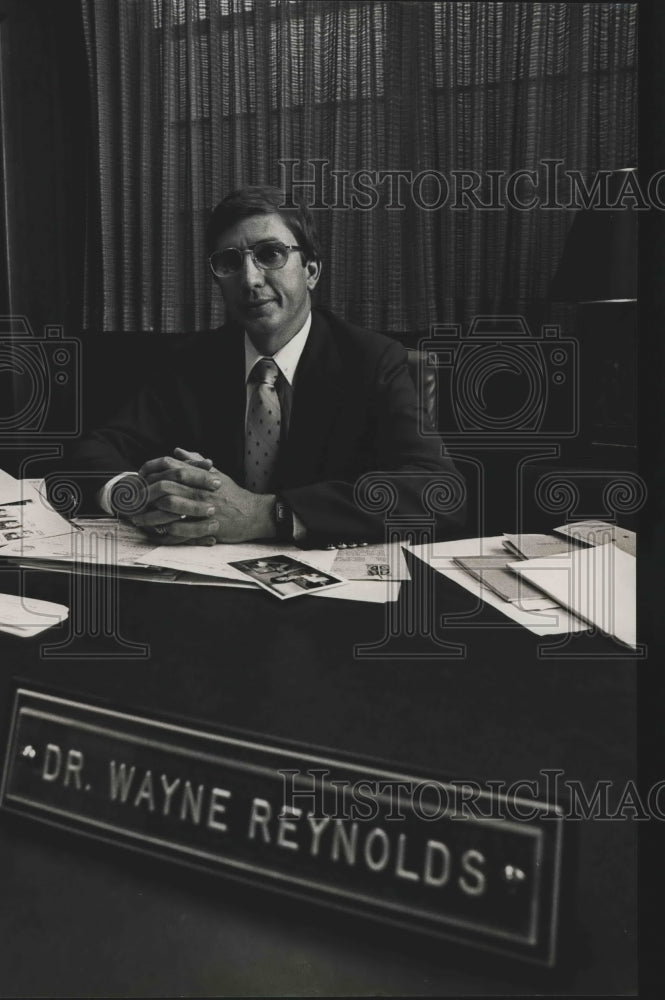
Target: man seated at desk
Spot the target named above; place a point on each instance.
(289, 404)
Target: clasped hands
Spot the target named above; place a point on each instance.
(189, 502)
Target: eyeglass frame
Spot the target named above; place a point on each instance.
(250, 251)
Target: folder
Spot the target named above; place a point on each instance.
(596, 584)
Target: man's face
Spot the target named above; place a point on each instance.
(271, 305)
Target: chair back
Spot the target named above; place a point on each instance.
(424, 378)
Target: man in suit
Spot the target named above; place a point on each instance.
(290, 406)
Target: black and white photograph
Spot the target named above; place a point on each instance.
(360, 302)
(285, 577)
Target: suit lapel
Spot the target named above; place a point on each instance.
(317, 397)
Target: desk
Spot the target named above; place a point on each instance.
(83, 919)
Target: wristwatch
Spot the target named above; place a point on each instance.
(283, 521)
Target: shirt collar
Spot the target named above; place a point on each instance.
(286, 358)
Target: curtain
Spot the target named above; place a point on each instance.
(191, 98)
(43, 126)
(43, 187)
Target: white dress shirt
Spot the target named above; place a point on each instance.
(286, 358)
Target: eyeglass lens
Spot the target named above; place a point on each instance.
(265, 255)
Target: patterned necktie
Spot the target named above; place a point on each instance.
(263, 427)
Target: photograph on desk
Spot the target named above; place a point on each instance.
(285, 577)
(336, 300)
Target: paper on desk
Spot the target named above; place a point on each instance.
(27, 517)
(25, 632)
(373, 592)
(10, 488)
(439, 555)
(598, 584)
(536, 546)
(495, 574)
(213, 560)
(105, 541)
(600, 533)
(37, 484)
(371, 562)
(148, 574)
(102, 541)
(28, 616)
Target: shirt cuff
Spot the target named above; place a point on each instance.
(103, 496)
(299, 529)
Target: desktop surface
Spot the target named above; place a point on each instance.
(90, 919)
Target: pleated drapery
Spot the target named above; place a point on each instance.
(191, 98)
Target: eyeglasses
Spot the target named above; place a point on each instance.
(269, 256)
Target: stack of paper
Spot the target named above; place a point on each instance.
(441, 556)
(41, 539)
(32, 533)
(103, 541)
(597, 584)
(588, 583)
(494, 572)
(373, 573)
(26, 616)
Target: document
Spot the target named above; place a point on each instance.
(440, 556)
(597, 584)
(10, 488)
(534, 546)
(27, 616)
(493, 572)
(106, 541)
(100, 541)
(600, 533)
(371, 562)
(26, 516)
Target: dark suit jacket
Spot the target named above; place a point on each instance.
(354, 411)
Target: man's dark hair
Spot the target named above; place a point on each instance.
(263, 200)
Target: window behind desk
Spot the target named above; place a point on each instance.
(193, 98)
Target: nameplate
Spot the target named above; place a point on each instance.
(417, 853)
